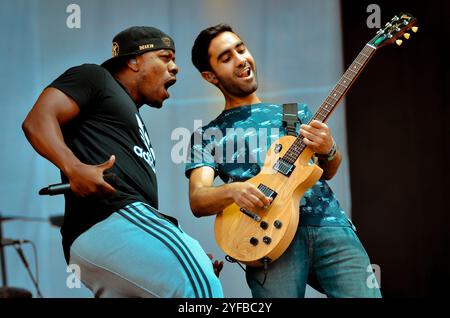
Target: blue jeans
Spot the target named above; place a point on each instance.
(334, 256)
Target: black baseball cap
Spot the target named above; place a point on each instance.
(137, 40)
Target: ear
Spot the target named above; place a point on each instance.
(210, 77)
(133, 64)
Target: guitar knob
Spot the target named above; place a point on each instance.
(267, 240)
(277, 224)
(254, 241)
(398, 42)
(414, 29)
(406, 36)
(278, 148)
(264, 225)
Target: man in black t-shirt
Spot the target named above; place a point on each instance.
(122, 244)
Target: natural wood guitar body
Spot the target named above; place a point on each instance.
(234, 229)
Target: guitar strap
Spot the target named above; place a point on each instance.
(290, 118)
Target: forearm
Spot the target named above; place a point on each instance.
(45, 135)
(210, 200)
(318, 138)
(42, 127)
(330, 167)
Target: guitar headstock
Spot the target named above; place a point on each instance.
(393, 30)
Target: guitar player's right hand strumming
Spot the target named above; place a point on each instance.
(206, 199)
(247, 196)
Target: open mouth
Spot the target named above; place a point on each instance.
(246, 72)
(169, 83)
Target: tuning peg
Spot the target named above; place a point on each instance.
(406, 36)
(398, 42)
(414, 29)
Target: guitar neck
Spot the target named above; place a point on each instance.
(333, 99)
(341, 88)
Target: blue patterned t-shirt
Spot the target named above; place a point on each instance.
(235, 145)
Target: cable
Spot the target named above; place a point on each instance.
(265, 261)
(266, 267)
(232, 260)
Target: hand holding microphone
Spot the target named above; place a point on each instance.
(87, 180)
(61, 188)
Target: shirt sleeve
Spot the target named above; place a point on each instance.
(84, 84)
(201, 153)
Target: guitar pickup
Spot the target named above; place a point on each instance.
(284, 167)
(268, 192)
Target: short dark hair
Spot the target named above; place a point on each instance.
(200, 55)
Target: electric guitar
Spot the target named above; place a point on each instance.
(260, 236)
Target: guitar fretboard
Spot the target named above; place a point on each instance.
(333, 99)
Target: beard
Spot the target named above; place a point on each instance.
(234, 89)
(155, 105)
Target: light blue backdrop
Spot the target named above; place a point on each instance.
(296, 44)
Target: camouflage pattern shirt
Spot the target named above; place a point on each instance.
(235, 145)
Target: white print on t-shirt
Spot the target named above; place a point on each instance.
(148, 155)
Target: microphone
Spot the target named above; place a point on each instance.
(60, 188)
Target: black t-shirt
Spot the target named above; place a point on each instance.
(108, 124)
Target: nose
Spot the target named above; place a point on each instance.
(173, 68)
(241, 60)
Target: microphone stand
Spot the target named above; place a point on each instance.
(18, 248)
(2, 255)
(5, 290)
